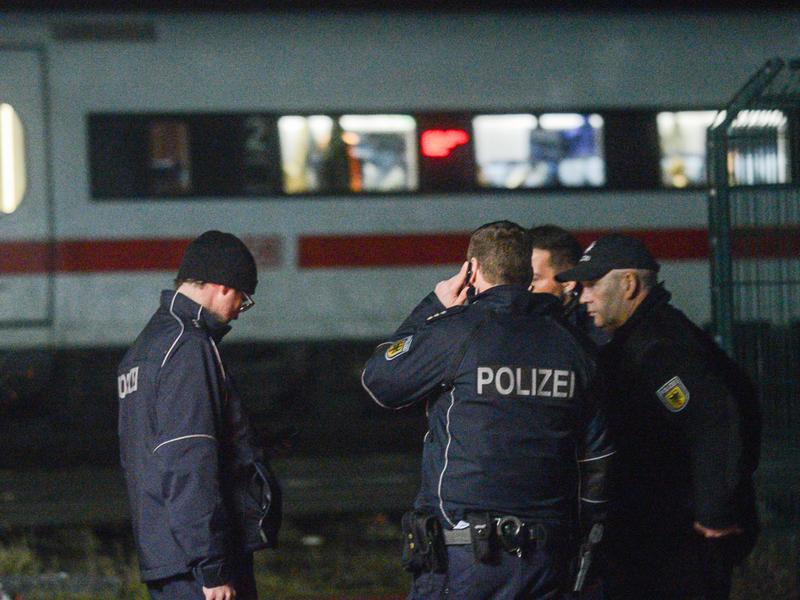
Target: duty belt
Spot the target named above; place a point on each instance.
(513, 533)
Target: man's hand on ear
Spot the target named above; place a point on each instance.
(453, 291)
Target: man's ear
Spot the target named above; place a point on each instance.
(474, 265)
(632, 285)
(569, 287)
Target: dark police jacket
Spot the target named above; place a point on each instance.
(686, 423)
(513, 407)
(185, 448)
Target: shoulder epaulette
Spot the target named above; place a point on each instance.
(453, 310)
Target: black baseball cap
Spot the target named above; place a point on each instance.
(222, 258)
(615, 251)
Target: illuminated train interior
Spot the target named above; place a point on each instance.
(263, 155)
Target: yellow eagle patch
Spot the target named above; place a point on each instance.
(399, 347)
(674, 394)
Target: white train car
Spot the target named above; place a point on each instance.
(353, 151)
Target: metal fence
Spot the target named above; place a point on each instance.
(754, 229)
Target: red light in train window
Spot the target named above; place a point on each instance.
(438, 143)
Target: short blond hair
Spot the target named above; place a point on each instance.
(503, 250)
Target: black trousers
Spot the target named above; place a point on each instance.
(706, 576)
(186, 587)
(537, 575)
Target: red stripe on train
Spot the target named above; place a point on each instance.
(25, 257)
(400, 250)
(103, 256)
(344, 251)
(76, 256)
(397, 250)
(80, 256)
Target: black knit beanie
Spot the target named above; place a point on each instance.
(217, 257)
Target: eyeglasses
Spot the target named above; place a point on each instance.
(247, 302)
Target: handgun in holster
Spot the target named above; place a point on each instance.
(423, 543)
(586, 555)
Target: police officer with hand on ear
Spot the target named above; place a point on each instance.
(517, 451)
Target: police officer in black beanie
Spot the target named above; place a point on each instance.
(202, 497)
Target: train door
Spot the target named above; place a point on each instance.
(26, 251)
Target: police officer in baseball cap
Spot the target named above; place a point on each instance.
(686, 421)
(615, 251)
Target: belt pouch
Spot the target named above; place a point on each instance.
(481, 527)
(423, 543)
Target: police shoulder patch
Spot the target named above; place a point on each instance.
(399, 347)
(674, 394)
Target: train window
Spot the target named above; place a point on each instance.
(259, 150)
(117, 145)
(631, 149)
(13, 178)
(168, 158)
(682, 140)
(182, 155)
(580, 142)
(502, 150)
(381, 152)
(758, 150)
(551, 150)
(354, 153)
(446, 155)
(313, 158)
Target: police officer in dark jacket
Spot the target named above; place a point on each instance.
(515, 431)
(686, 422)
(554, 250)
(199, 490)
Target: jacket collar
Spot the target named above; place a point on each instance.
(658, 296)
(189, 311)
(517, 298)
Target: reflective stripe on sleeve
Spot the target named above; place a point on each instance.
(185, 437)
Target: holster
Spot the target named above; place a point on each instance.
(268, 493)
(423, 543)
